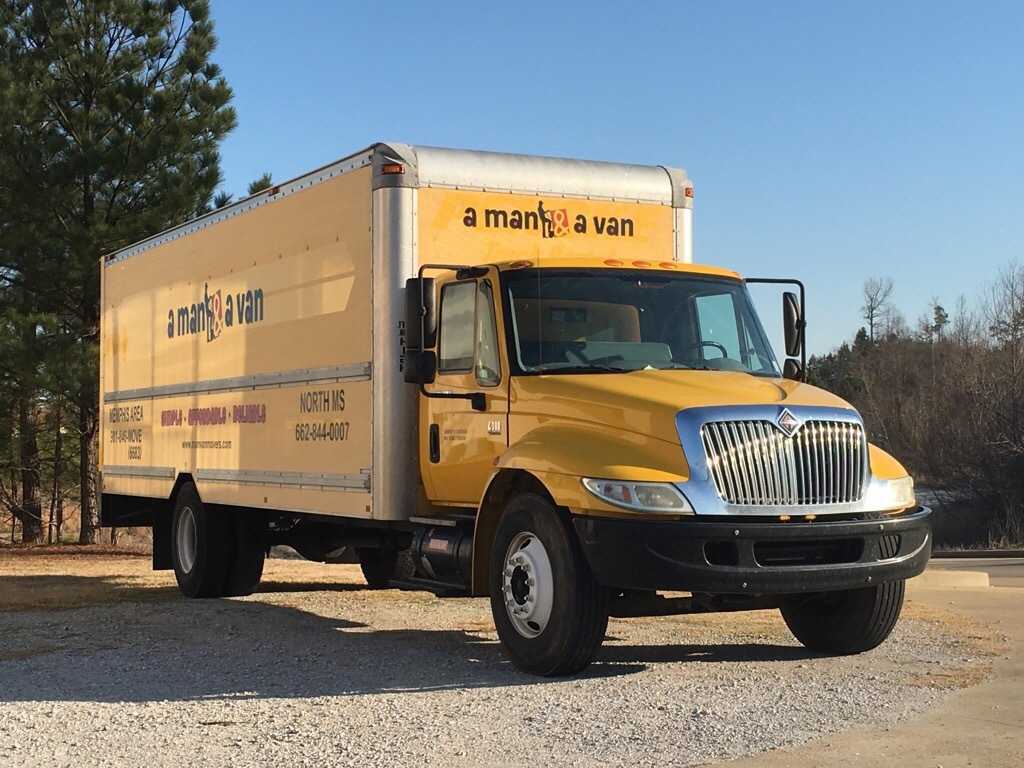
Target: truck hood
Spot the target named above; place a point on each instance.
(647, 401)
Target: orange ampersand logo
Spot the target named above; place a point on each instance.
(216, 317)
(560, 222)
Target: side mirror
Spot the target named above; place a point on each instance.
(793, 324)
(420, 366)
(420, 314)
(791, 370)
(420, 331)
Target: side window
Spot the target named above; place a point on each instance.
(458, 305)
(716, 318)
(488, 363)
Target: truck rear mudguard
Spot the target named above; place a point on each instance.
(739, 557)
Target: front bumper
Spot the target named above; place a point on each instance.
(755, 558)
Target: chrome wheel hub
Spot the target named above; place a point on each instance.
(185, 539)
(528, 587)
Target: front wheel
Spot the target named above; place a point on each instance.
(847, 622)
(550, 613)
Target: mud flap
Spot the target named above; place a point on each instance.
(162, 560)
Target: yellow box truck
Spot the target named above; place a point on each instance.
(496, 375)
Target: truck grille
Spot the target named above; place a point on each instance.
(753, 462)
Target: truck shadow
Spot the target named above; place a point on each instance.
(279, 587)
(127, 644)
(165, 648)
(726, 653)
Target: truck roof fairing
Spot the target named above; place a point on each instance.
(425, 167)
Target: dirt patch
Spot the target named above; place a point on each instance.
(33, 578)
(977, 646)
(73, 550)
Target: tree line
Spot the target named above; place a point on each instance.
(945, 396)
(111, 116)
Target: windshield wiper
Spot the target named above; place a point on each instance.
(576, 368)
(677, 367)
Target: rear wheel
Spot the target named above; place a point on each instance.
(550, 613)
(381, 565)
(198, 544)
(847, 622)
(248, 551)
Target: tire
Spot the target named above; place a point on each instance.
(248, 552)
(562, 611)
(847, 622)
(380, 566)
(199, 540)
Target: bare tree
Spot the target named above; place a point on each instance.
(891, 323)
(877, 292)
(964, 323)
(947, 398)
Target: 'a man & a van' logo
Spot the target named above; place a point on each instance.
(216, 311)
(549, 223)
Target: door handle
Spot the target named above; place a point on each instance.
(435, 443)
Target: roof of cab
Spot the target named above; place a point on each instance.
(654, 266)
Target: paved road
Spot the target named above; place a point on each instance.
(978, 727)
(1002, 571)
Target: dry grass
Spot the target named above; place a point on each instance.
(979, 646)
(74, 577)
(37, 578)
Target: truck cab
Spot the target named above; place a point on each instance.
(619, 429)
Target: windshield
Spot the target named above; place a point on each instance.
(583, 321)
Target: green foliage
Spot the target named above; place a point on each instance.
(940, 318)
(263, 182)
(836, 371)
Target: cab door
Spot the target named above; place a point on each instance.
(462, 444)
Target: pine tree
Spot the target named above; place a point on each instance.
(111, 114)
(263, 182)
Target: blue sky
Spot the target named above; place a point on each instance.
(829, 141)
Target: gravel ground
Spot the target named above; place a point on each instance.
(320, 671)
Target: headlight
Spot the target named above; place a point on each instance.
(641, 497)
(891, 494)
